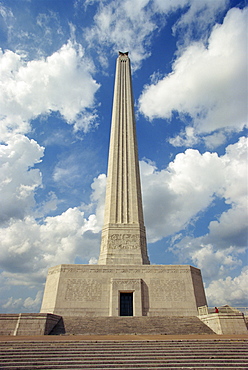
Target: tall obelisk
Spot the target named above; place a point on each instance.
(123, 283)
(123, 234)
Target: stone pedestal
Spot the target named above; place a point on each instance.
(225, 323)
(27, 323)
(94, 290)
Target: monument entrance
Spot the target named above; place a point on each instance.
(126, 304)
(123, 265)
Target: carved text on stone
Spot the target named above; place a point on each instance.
(83, 290)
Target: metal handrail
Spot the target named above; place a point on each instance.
(205, 310)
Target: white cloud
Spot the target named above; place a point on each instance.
(66, 172)
(28, 304)
(171, 5)
(5, 12)
(15, 303)
(231, 227)
(7, 18)
(98, 197)
(203, 85)
(33, 304)
(214, 263)
(85, 121)
(199, 16)
(186, 138)
(61, 82)
(49, 23)
(211, 141)
(128, 25)
(49, 203)
(236, 177)
(123, 25)
(220, 252)
(28, 248)
(232, 291)
(203, 12)
(93, 261)
(18, 180)
(175, 196)
(69, 235)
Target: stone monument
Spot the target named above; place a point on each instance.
(123, 283)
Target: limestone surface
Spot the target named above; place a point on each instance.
(123, 283)
(123, 234)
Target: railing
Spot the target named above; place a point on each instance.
(244, 310)
(205, 310)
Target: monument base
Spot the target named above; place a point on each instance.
(225, 323)
(227, 320)
(28, 323)
(123, 290)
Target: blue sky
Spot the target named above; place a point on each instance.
(57, 65)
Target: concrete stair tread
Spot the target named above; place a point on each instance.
(129, 361)
(131, 325)
(131, 367)
(200, 354)
(103, 344)
(128, 355)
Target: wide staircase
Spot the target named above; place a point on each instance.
(142, 355)
(175, 325)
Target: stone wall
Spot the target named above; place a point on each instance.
(93, 290)
(27, 323)
(225, 323)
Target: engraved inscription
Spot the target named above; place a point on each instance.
(126, 283)
(168, 290)
(83, 290)
(124, 241)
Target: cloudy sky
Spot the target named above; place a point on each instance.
(57, 65)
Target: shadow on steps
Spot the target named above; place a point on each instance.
(167, 325)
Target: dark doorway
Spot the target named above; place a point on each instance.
(126, 304)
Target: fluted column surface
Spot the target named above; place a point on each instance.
(123, 235)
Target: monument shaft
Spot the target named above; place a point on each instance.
(123, 234)
(123, 283)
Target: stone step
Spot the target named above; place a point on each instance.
(69, 339)
(21, 357)
(122, 359)
(115, 348)
(102, 350)
(137, 345)
(129, 355)
(111, 359)
(146, 367)
(177, 325)
(98, 366)
(115, 352)
(109, 352)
